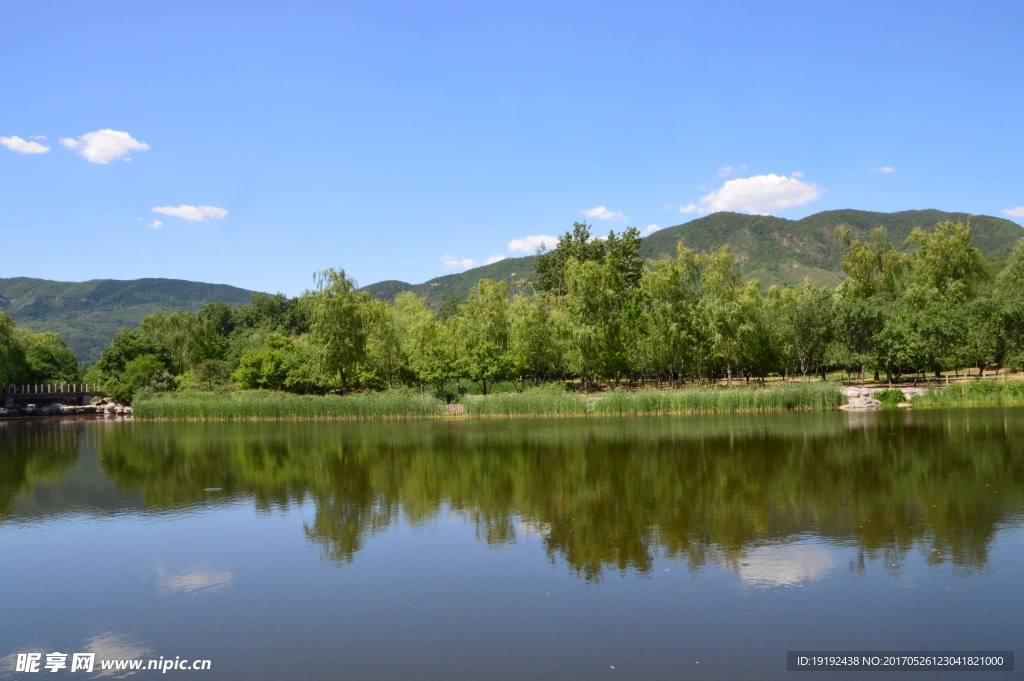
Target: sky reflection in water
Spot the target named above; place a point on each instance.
(503, 549)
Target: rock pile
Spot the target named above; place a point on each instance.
(862, 399)
(106, 406)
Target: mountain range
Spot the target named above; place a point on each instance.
(87, 314)
(770, 249)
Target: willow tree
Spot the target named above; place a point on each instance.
(672, 316)
(427, 342)
(484, 330)
(385, 358)
(807, 320)
(12, 357)
(338, 326)
(536, 345)
(723, 308)
(596, 294)
(946, 263)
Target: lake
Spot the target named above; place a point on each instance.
(459, 549)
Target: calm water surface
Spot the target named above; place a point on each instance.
(654, 548)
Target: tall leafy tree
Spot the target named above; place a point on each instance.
(675, 329)
(536, 343)
(946, 262)
(338, 328)
(808, 317)
(485, 332)
(578, 245)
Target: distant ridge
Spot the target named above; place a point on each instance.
(88, 314)
(773, 250)
(770, 249)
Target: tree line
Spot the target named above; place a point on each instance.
(27, 357)
(596, 313)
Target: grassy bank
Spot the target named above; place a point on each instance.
(974, 393)
(268, 405)
(800, 395)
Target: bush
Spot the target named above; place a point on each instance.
(890, 397)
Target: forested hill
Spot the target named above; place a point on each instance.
(770, 249)
(773, 250)
(88, 314)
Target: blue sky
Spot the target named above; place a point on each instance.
(409, 140)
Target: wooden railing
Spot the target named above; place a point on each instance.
(53, 389)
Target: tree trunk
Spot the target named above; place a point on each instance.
(483, 381)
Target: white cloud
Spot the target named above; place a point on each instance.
(103, 146)
(760, 195)
(529, 244)
(602, 213)
(21, 146)
(883, 169)
(729, 170)
(465, 263)
(1016, 212)
(156, 224)
(786, 565)
(193, 213)
(37, 137)
(796, 173)
(200, 579)
(109, 646)
(650, 229)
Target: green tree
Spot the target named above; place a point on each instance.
(138, 373)
(535, 339)
(338, 326)
(874, 268)
(723, 310)
(47, 358)
(596, 294)
(808, 318)
(126, 346)
(946, 262)
(427, 343)
(385, 358)
(485, 333)
(12, 355)
(672, 320)
(576, 245)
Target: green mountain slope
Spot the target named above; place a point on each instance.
(88, 314)
(779, 251)
(770, 249)
(773, 250)
(511, 270)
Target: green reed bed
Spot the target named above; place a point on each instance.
(810, 395)
(973, 393)
(268, 405)
(542, 402)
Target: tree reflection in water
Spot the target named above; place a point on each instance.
(605, 494)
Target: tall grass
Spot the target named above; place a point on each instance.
(985, 392)
(537, 402)
(811, 395)
(269, 405)
(266, 404)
